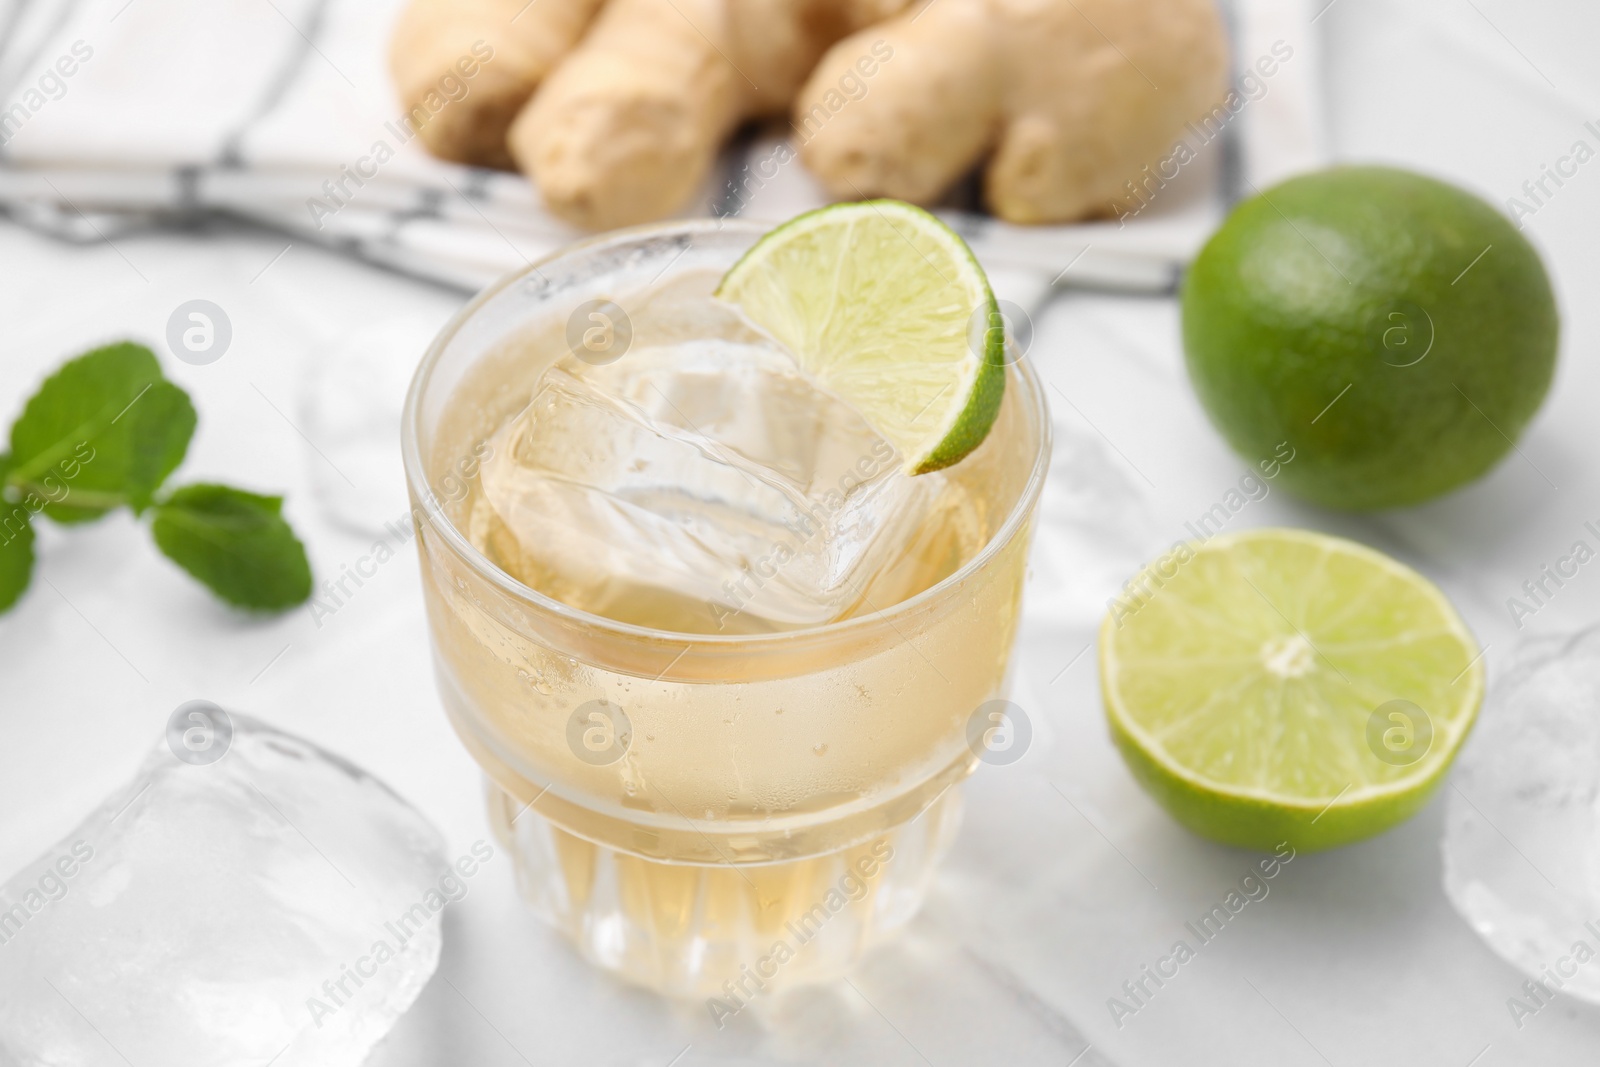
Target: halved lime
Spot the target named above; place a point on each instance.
(878, 301)
(1282, 685)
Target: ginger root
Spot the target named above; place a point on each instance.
(1071, 97)
(616, 108)
(627, 126)
(465, 68)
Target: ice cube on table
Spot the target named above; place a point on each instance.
(349, 404)
(1522, 840)
(195, 917)
(1096, 529)
(698, 483)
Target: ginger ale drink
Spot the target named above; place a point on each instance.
(717, 653)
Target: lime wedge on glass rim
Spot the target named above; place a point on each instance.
(887, 307)
(1282, 685)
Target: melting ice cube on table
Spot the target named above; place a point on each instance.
(1522, 844)
(698, 484)
(203, 913)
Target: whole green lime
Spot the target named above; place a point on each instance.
(1395, 332)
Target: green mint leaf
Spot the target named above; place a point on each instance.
(104, 430)
(16, 546)
(236, 543)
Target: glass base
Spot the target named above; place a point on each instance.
(726, 931)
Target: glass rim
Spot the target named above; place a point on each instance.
(417, 480)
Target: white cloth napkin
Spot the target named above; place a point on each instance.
(126, 113)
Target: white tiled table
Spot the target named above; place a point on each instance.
(1046, 906)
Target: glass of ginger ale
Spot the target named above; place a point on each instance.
(721, 659)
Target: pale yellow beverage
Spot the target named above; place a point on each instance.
(721, 660)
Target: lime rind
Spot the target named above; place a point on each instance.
(877, 300)
(1258, 758)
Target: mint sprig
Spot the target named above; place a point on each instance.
(105, 431)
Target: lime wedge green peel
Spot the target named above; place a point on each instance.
(1282, 685)
(877, 300)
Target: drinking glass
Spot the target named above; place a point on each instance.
(707, 814)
